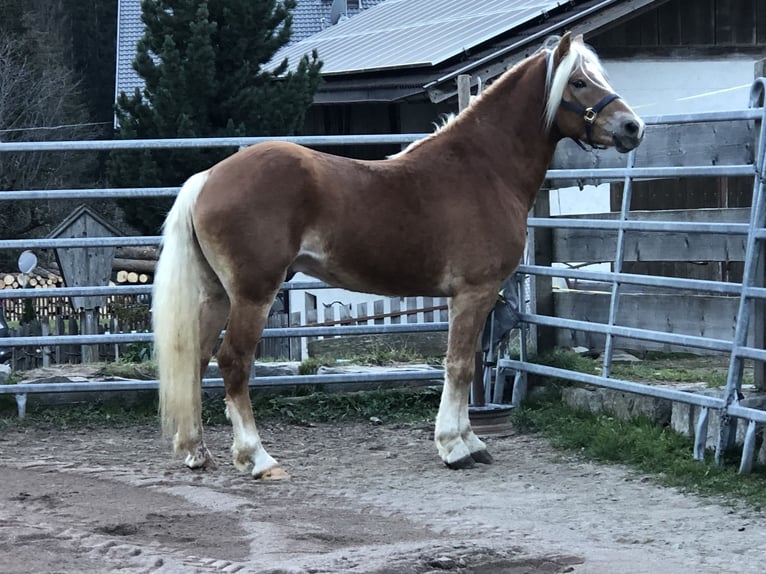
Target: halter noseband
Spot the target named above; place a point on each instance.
(589, 114)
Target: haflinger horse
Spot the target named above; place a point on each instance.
(447, 217)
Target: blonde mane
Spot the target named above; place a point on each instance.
(578, 57)
(446, 121)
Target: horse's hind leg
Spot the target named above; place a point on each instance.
(457, 444)
(235, 358)
(214, 309)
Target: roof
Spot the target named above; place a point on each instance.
(413, 33)
(309, 18)
(434, 53)
(312, 16)
(129, 32)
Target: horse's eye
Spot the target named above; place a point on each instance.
(579, 84)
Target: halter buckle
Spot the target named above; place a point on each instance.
(589, 115)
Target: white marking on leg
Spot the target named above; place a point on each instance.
(451, 421)
(247, 449)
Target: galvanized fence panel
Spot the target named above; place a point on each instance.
(728, 406)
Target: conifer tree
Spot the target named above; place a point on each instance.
(202, 62)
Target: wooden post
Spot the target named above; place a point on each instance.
(89, 326)
(46, 350)
(463, 91)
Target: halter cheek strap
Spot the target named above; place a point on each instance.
(590, 114)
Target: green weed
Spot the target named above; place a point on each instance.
(640, 444)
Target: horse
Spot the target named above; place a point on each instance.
(446, 218)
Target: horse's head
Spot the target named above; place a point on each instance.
(582, 105)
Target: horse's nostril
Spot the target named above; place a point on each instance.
(631, 128)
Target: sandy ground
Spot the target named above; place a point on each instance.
(362, 498)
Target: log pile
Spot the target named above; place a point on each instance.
(134, 264)
(37, 280)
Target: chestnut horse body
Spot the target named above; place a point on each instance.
(447, 217)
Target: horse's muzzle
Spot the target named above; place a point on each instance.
(629, 135)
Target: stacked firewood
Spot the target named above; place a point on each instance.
(134, 264)
(39, 279)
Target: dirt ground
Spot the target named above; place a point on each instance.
(362, 498)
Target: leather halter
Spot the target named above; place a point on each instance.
(589, 115)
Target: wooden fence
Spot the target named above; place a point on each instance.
(26, 358)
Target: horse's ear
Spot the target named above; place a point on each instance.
(563, 48)
(579, 39)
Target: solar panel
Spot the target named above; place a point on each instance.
(413, 33)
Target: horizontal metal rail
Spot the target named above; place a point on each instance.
(641, 225)
(216, 383)
(117, 290)
(90, 193)
(612, 173)
(142, 144)
(306, 331)
(50, 243)
(635, 279)
(615, 384)
(748, 114)
(706, 343)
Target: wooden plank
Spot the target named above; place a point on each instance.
(698, 23)
(649, 26)
(378, 308)
(760, 22)
(705, 316)
(735, 22)
(595, 245)
(669, 24)
(698, 144)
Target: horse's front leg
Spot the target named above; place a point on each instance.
(457, 444)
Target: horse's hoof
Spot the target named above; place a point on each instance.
(461, 463)
(482, 456)
(273, 473)
(201, 459)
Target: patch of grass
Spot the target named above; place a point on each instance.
(142, 410)
(683, 371)
(568, 360)
(394, 405)
(640, 444)
(655, 367)
(311, 365)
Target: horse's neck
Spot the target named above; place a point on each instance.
(508, 121)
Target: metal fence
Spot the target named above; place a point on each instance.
(21, 390)
(727, 406)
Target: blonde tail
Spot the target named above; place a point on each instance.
(175, 320)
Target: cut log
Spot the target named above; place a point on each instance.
(9, 279)
(143, 278)
(122, 276)
(143, 252)
(132, 277)
(135, 265)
